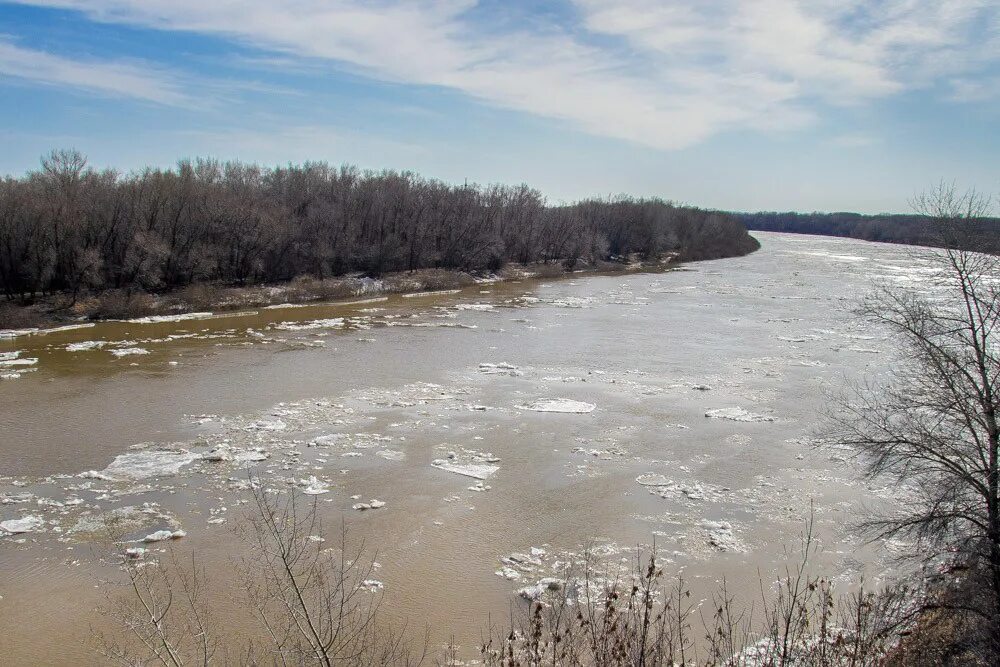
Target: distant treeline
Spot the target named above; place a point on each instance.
(67, 227)
(911, 229)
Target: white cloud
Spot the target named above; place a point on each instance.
(119, 79)
(662, 73)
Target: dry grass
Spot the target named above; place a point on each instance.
(644, 618)
(306, 288)
(13, 316)
(119, 305)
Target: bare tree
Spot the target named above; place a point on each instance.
(162, 613)
(67, 228)
(317, 604)
(932, 426)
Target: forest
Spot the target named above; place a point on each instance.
(911, 229)
(68, 229)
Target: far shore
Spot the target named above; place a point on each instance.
(201, 300)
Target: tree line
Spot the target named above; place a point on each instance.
(887, 228)
(67, 227)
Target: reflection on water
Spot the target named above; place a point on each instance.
(505, 427)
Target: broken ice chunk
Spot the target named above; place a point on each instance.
(23, 525)
(559, 405)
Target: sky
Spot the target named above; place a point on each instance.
(809, 105)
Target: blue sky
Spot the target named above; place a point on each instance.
(735, 104)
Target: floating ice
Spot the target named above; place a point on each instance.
(146, 463)
(559, 405)
(538, 591)
(157, 319)
(35, 331)
(391, 454)
(797, 339)
(119, 519)
(227, 453)
(372, 504)
(502, 368)
(14, 498)
(23, 525)
(474, 470)
(331, 323)
(269, 424)
(738, 415)
(12, 360)
(413, 295)
(86, 346)
(162, 535)
(129, 351)
(475, 306)
(690, 491)
(720, 536)
(14, 333)
(572, 302)
(328, 440)
(653, 479)
(313, 486)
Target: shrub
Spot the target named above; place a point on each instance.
(121, 304)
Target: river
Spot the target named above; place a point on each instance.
(606, 411)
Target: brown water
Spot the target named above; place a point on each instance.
(401, 378)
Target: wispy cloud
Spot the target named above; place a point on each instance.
(661, 73)
(119, 79)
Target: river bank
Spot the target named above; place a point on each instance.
(58, 311)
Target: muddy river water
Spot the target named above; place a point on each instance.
(598, 411)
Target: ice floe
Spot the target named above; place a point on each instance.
(372, 504)
(269, 424)
(653, 479)
(161, 535)
(146, 463)
(314, 486)
(720, 536)
(121, 520)
(235, 455)
(558, 405)
(159, 319)
(414, 295)
(474, 470)
(330, 323)
(738, 415)
(26, 524)
(14, 360)
(129, 351)
(469, 463)
(501, 368)
(86, 346)
(541, 588)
